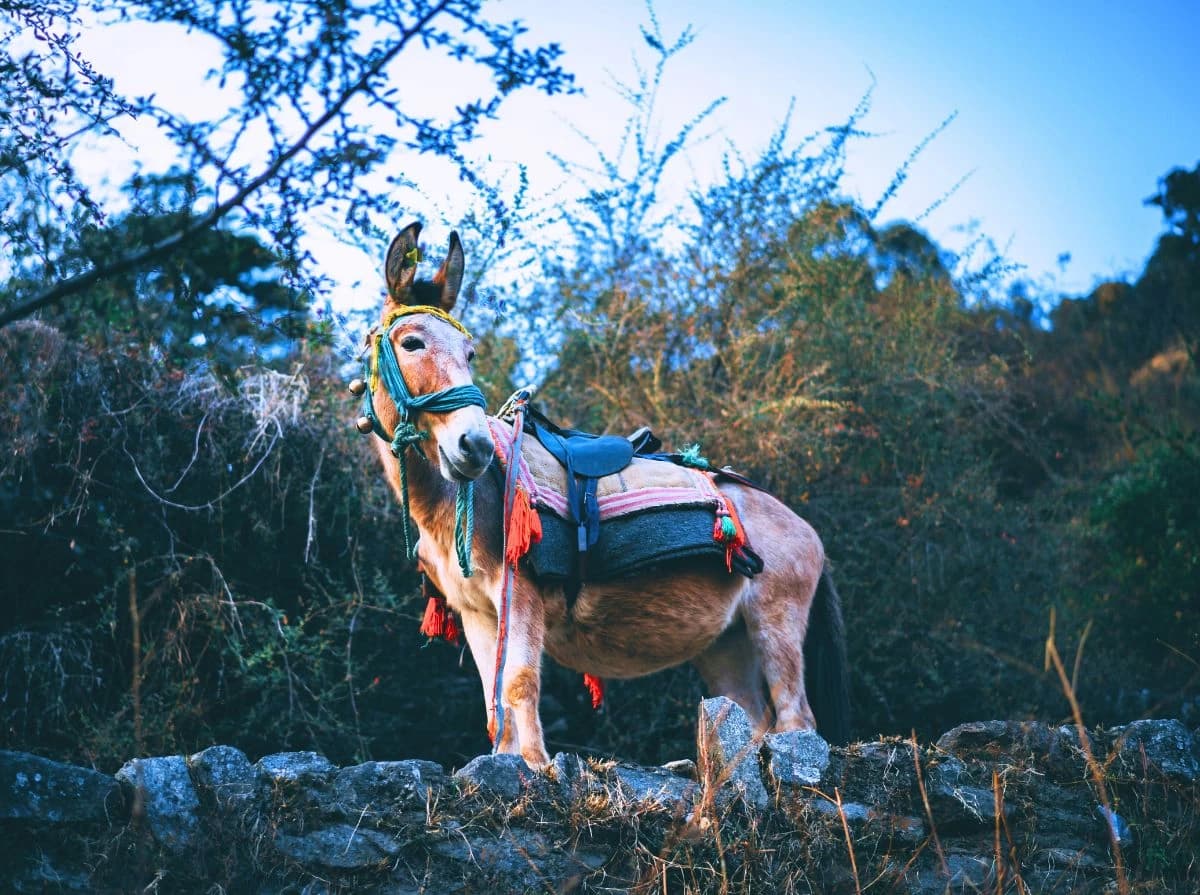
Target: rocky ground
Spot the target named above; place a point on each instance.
(992, 806)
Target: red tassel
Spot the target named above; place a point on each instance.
(439, 620)
(595, 687)
(451, 630)
(524, 528)
(433, 625)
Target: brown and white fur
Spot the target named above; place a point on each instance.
(747, 637)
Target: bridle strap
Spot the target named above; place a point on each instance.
(382, 366)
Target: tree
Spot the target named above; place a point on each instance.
(223, 298)
(324, 121)
(1172, 276)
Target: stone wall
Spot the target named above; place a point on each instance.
(994, 806)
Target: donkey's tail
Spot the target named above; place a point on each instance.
(826, 672)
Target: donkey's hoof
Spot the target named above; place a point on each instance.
(537, 760)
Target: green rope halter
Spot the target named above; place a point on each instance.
(381, 365)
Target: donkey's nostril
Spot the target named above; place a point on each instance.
(476, 446)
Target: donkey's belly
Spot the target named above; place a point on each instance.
(635, 627)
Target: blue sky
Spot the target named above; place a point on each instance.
(1068, 113)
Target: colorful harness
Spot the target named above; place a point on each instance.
(381, 365)
(522, 525)
(521, 522)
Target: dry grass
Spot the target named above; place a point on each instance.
(1095, 769)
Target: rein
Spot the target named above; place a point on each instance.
(381, 365)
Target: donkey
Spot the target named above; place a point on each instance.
(748, 638)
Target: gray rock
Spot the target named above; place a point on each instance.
(954, 798)
(341, 846)
(967, 873)
(1065, 757)
(38, 789)
(277, 886)
(970, 872)
(905, 829)
(654, 786)
(385, 787)
(681, 767)
(875, 773)
(306, 768)
(227, 774)
(503, 776)
(574, 778)
(728, 752)
(1064, 814)
(856, 815)
(519, 860)
(1055, 750)
(972, 736)
(1168, 747)
(861, 819)
(1071, 858)
(168, 798)
(1071, 879)
(795, 757)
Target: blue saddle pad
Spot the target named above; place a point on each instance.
(626, 546)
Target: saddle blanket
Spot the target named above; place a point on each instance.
(651, 512)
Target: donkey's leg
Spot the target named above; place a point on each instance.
(776, 616)
(730, 667)
(480, 629)
(523, 672)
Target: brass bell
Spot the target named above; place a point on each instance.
(357, 387)
(363, 425)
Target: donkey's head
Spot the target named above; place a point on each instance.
(432, 353)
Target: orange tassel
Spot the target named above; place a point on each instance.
(492, 729)
(439, 620)
(595, 687)
(524, 528)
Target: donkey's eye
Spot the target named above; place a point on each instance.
(470, 354)
(412, 343)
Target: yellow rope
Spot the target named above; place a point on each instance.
(405, 310)
(392, 317)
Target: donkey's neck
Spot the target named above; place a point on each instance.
(430, 497)
(432, 505)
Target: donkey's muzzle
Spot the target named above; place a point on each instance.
(477, 450)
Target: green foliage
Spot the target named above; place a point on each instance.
(1145, 527)
(178, 448)
(225, 301)
(942, 443)
(839, 364)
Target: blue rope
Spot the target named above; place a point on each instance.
(407, 434)
(464, 525)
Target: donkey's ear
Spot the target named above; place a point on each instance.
(450, 275)
(400, 267)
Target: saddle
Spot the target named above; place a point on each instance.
(587, 458)
(656, 507)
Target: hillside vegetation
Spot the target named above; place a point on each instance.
(197, 548)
